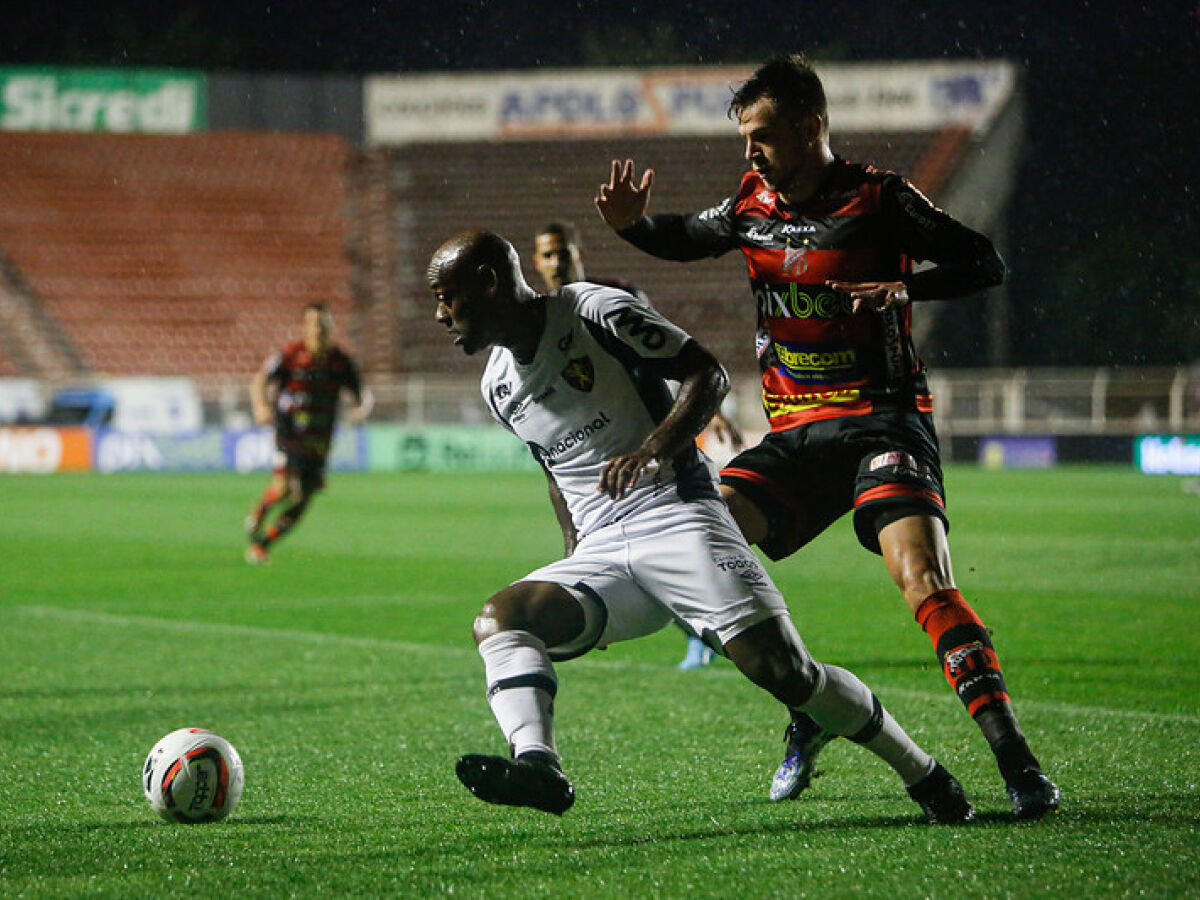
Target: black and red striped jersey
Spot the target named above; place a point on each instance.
(306, 401)
(819, 360)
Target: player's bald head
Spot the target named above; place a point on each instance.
(470, 257)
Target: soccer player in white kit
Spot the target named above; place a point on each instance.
(581, 376)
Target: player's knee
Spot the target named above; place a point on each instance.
(779, 666)
(544, 609)
(492, 619)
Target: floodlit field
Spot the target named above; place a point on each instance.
(345, 674)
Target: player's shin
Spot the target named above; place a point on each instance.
(841, 703)
(972, 668)
(285, 522)
(521, 686)
(964, 649)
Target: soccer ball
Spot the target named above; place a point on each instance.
(193, 775)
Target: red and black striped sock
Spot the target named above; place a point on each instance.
(971, 666)
(964, 649)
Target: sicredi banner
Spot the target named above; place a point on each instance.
(403, 109)
(127, 101)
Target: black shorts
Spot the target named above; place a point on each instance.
(310, 470)
(884, 466)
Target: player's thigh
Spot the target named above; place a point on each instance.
(795, 489)
(899, 477)
(693, 559)
(615, 606)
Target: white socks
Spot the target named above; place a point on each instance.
(841, 703)
(521, 685)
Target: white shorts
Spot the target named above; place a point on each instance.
(684, 562)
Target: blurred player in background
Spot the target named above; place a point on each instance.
(829, 245)
(558, 258)
(581, 376)
(297, 390)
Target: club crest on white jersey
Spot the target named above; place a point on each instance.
(586, 398)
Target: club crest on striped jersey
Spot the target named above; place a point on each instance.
(795, 260)
(580, 374)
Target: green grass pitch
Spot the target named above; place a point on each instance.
(345, 674)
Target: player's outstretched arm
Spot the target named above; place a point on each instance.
(622, 203)
(703, 384)
(260, 404)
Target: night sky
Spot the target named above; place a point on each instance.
(1105, 233)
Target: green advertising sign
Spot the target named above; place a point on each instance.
(131, 101)
(447, 448)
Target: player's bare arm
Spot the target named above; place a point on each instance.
(563, 514)
(260, 403)
(703, 384)
(622, 203)
(873, 296)
(364, 402)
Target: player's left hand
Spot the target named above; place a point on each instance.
(872, 296)
(622, 472)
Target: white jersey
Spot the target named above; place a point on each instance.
(587, 397)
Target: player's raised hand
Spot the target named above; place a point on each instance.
(622, 472)
(621, 202)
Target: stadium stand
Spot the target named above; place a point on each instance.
(173, 255)
(411, 198)
(156, 255)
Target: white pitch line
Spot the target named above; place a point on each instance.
(248, 631)
(317, 637)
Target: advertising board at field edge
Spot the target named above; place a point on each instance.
(119, 101)
(44, 450)
(1167, 454)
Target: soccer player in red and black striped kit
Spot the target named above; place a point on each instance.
(829, 245)
(297, 390)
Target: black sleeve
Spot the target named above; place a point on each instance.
(684, 238)
(964, 260)
(353, 377)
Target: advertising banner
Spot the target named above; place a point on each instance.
(1018, 452)
(40, 451)
(402, 109)
(1167, 454)
(145, 101)
(253, 450)
(464, 448)
(124, 451)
